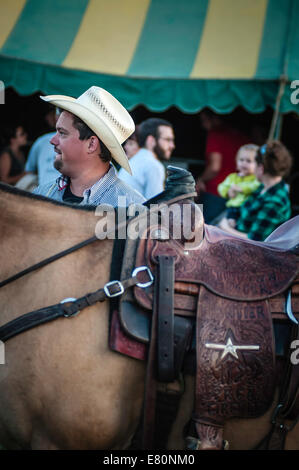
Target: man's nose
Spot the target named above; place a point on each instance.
(54, 140)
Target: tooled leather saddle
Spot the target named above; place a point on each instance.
(222, 300)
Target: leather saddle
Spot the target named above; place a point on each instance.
(216, 295)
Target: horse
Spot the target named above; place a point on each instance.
(62, 386)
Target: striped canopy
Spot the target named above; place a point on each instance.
(159, 53)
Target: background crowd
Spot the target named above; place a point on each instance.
(243, 187)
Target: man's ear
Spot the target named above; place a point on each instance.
(150, 142)
(94, 144)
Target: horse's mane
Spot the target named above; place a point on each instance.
(25, 194)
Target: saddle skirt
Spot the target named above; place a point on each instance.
(228, 285)
(229, 267)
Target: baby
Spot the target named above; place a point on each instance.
(238, 186)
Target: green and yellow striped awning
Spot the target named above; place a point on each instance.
(159, 53)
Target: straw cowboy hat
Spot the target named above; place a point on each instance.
(109, 120)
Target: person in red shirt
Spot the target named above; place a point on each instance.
(222, 145)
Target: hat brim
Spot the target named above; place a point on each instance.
(95, 123)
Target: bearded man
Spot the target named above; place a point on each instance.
(156, 138)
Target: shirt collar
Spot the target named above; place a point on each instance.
(273, 188)
(62, 182)
(107, 179)
(104, 183)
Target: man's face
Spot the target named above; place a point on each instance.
(67, 145)
(206, 121)
(164, 143)
(209, 122)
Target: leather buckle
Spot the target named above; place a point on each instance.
(115, 294)
(71, 314)
(148, 271)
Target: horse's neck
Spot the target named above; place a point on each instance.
(28, 215)
(32, 230)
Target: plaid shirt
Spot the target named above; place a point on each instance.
(262, 213)
(108, 190)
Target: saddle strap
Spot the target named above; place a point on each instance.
(150, 391)
(67, 308)
(165, 335)
(288, 405)
(161, 345)
(289, 399)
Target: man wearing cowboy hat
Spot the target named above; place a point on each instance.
(90, 131)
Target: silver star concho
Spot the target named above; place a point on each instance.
(231, 348)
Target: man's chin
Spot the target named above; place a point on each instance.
(165, 158)
(58, 164)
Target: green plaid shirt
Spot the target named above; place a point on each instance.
(262, 213)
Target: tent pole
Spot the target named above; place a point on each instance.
(277, 134)
(274, 132)
(275, 127)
